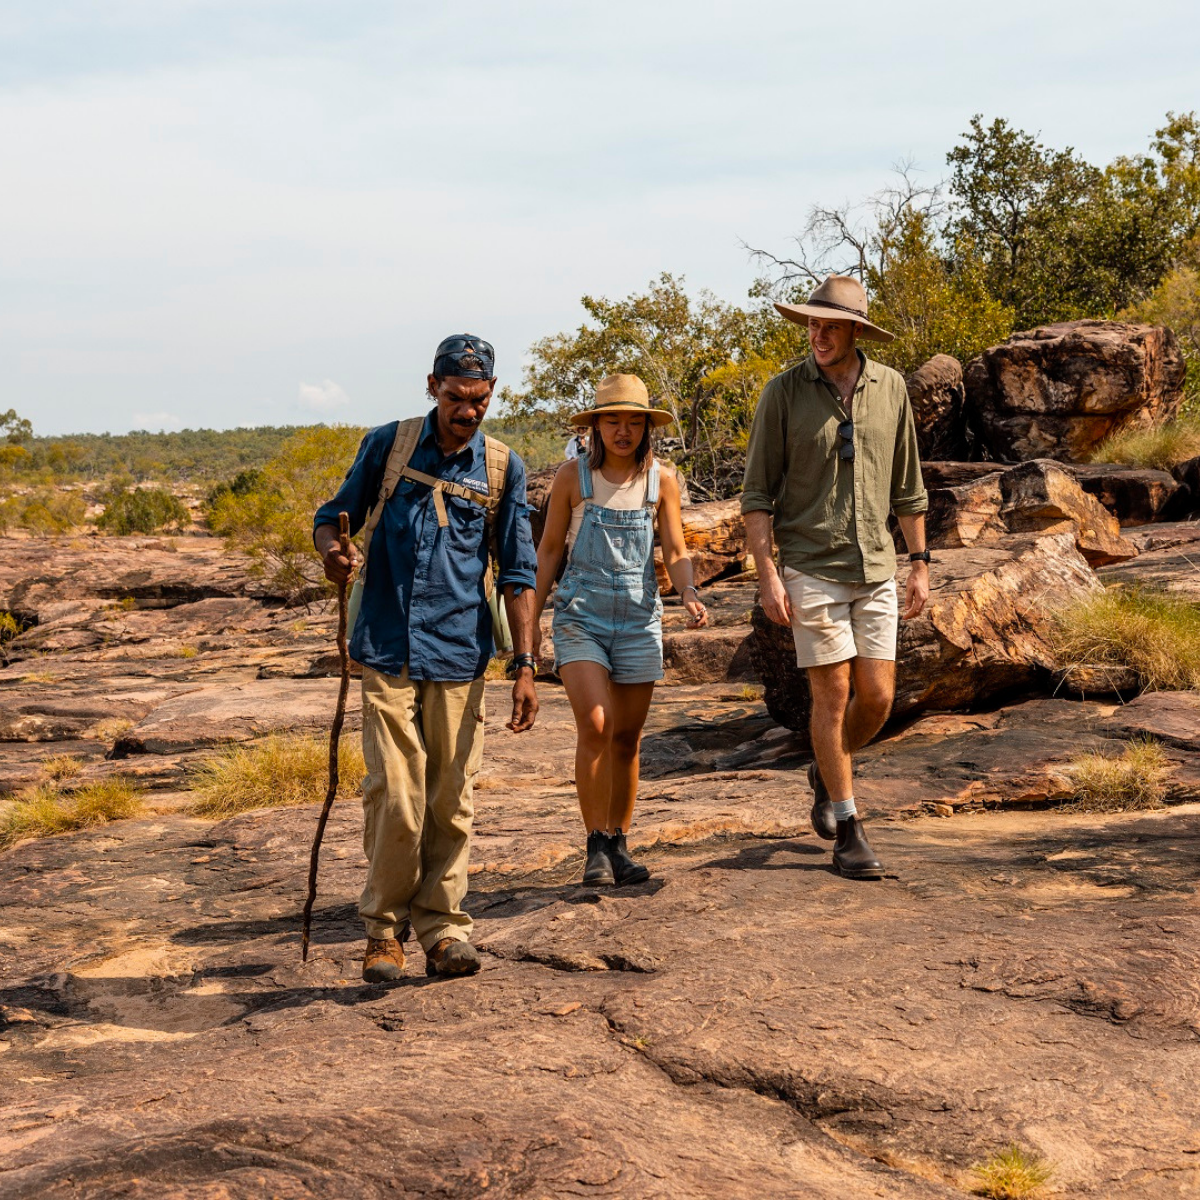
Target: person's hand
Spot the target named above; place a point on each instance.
(525, 702)
(917, 591)
(774, 599)
(696, 610)
(339, 568)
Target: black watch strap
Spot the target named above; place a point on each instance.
(921, 556)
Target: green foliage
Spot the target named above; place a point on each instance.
(1155, 635)
(1135, 779)
(1160, 447)
(281, 769)
(537, 439)
(44, 511)
(45, 810)
(702, 359)
(272, 520)
(1013, 1174)
(146, 510)
(14, 428)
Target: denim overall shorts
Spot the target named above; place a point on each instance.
(607, 609)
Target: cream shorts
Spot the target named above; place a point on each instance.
(834, 622)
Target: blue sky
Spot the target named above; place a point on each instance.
(269, 212)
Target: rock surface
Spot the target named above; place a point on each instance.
(983, 631)
(938, 398)
(1057, 391)
(1134, 495)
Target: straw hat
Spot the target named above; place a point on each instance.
(622, 393)
(839, 298)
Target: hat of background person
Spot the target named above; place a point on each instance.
(464, 355)
(622, 393)
(839, 298)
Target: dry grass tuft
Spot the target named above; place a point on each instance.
(109, 729)
(1013, 1174)
(186, 652)
(281, 769)
(1162, 447)
(62, 766)
(43, 811)
(1136, 779)
(1155, 635)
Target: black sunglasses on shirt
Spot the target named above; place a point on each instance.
(846, 432)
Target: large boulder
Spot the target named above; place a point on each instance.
(715, 535)
(937, 395)
(1032, 497)
(1057, 391)
(985, 631)
(1188, 474)
(1134, 495)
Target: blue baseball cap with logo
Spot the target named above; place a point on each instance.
(464, 355)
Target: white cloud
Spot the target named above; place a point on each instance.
(324, 396)
(156, 422)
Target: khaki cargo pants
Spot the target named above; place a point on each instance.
(423, 744)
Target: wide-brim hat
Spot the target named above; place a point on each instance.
(839, 298)
(622, 393)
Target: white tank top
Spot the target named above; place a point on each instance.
(625, 496)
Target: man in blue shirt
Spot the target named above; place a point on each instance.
(424, 637)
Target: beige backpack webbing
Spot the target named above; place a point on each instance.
(408, 433)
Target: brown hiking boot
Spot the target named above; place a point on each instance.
(451, 957)
(383, 961)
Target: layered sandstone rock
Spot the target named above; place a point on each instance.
(1057, 391)
(1134, 495)
(938, 397)
(984, 632)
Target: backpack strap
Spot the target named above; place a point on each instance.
(408, 433)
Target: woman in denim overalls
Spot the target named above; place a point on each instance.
(607, 611)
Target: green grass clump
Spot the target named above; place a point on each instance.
(62, 766)
(1160, 447)
(281, 769)
(1013, 1174)
(1137, 778)
(45, 810)
(1154, 634)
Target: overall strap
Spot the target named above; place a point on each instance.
(652, 486)
(585, 478)
(408, 433)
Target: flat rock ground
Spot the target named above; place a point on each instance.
(745, 1024)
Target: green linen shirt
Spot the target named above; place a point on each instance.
(830, 514)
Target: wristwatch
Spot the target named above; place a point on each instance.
(921, 556)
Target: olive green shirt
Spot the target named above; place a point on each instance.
(830, 515)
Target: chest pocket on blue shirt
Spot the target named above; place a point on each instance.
(465, 531)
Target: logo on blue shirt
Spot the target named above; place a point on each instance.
(480, 485)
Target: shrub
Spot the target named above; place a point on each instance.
(146, 510)
(1161, 448)
(1154, 634)
(62, 766)
(1135, 779)
(1013, 1174)
(45, 810)
(281, 769)
(46, 511)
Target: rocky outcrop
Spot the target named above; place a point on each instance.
(937, 395)
(1188, 474)
(715, 535)
(1057, 391)
(1134, 495)
(983, 633)
(1033, 497)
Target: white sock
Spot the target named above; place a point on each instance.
(843, 810)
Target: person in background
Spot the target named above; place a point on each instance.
(607, 610)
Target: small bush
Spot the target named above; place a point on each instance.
(186, 652)
(146, 510)
(281, 769)
(1013, 1174)
(1161, 448)
(62, 766)
(1154, 634)
(45, 810)
(1135, 779)
(45, 512)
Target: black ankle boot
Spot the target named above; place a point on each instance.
(823, 821)
(624, 868)
(852, 853)
(599, 867)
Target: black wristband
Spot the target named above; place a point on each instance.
(521, 660)
(921, 556)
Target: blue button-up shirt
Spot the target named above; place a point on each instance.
(423, 600)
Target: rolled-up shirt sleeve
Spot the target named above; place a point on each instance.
(514, 537)
(766, 452)
(908, 488)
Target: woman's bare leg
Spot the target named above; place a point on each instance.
(629, 705)
(587, 685)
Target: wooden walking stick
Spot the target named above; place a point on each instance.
(335, 734)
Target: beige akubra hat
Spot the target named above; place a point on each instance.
(839, 298)
(622, 393)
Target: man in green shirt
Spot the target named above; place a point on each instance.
(833, 451)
